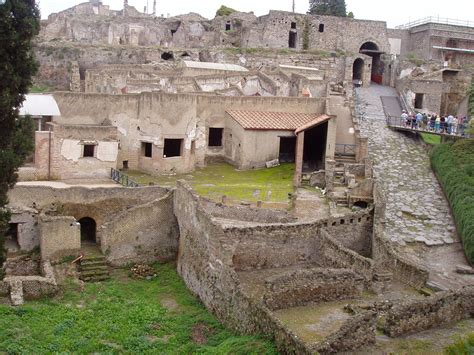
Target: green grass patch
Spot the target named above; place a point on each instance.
(122, 316)
(463, 346)
(454, 165)
(38, 89)
(215, 180)
(431, 139)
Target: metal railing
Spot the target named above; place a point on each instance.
(346, 149)
(122, 179)
(428, 127)
(436, 19)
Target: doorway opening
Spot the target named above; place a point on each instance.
(419, 101)
(287, 149)
(314, 151)
(372, 50)
(358, 70)
(88, 230)
(11, 238)
(292, 39)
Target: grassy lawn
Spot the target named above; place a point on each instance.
(454, 165)
(431, 139)
(125, 315)
(213, 181)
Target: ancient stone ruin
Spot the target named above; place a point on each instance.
(358, 250)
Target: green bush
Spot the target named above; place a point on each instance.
(454, 165)
(225, 11)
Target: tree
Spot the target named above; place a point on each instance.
(328, 7)
(19, 23)
(350, 14)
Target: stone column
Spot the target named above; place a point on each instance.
(330, 168)
(75, 80)
(299, 158)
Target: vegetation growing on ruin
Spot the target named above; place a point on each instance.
(464, 345)
(122, 316)
(19, 23)
(214, 181)
(413, 58)
(454, 165)
(225, 11)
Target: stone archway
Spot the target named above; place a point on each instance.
(358, 70)
(88, 230)
(372, 50)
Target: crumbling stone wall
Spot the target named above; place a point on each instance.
(300, 287)
(144, 233)
(414, 316)
(246, 214)
(59, 236)
(205, 264)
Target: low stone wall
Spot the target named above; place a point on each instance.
(205, 263)
(336, 255)
(386, 257)
(355, 333)
(300, 287)
(30, 287)
(441, 309)
(247, 214)
(145, 233)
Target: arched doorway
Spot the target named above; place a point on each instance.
(372, 50)
(88, 230)
(358, 71)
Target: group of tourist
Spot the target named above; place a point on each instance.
(436, 123)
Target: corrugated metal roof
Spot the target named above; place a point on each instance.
(39, 105)
(281, 121)
(213, 66)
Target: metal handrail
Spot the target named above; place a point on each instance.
(438, 20)
(122, 179)
(393, 121)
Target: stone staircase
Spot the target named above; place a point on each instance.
(94, 268)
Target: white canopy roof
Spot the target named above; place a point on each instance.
(213, 66)
(39, 105)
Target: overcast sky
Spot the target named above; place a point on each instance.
(395, 12)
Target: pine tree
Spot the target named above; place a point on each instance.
(328, 7)
(19, 23)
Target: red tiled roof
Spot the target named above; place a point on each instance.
(281, 121)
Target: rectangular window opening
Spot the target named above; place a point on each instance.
(228, 27)
(89, 150)
(215, 137)
(147, 150)
(173, 148)
(321, 27)
(419, 101)
(293, 25)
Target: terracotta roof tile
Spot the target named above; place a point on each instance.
(281, 121)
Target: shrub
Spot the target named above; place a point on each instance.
(225, 11)
(454, 165)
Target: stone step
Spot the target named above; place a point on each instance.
(96, 278)
(93, 267)
(93, 273)
(93, 258)
(93, 262)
